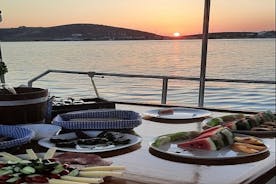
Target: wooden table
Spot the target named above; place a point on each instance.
(144, 168)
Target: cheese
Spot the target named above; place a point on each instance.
(82, 179)
(50, 153)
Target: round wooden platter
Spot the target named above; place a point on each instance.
(209, 161)
(224, 156)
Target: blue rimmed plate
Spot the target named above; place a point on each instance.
(18, 136)
(100, 119)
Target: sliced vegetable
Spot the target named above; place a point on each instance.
(27, 170)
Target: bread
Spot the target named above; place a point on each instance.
(241, 147)
(249, 140)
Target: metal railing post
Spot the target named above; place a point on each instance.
(91, 75)
(204, 53)
(164, 90)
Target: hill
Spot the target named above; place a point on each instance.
(234, 35)
(74, 32)
(82, 32)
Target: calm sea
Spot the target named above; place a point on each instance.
(234, 59)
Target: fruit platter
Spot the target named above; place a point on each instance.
(262, 124)
(64, 168)
(214, 146)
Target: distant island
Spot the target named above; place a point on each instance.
(83, 32)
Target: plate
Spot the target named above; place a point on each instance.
(247, 132)
(99, 119)
(224, 156)
(46, 143)
(178, 113)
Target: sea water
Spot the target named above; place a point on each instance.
(251, 59)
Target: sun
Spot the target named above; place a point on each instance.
(176, 34)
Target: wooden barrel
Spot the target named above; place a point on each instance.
(29, 105)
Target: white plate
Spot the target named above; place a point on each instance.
(46, 143)
(179, 113)
(224, 153)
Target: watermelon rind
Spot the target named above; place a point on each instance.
(229, 135)
(232, 117)
(218, 140)
(214, 122)
(242, 124)
(164, 139)
(161, 141)
(271, 116)
(252, 121)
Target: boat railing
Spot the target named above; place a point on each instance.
(165, 79)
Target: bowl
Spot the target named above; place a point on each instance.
(19, 135)
(43, 130)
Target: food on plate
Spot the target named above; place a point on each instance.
(81, 158)
(174, 137)
(165, 112)
(247, 148)
(248, 145)
(248, 140)
(211, 139)
(219, 120)
(17, 170)
(262, 121)
(105, 138)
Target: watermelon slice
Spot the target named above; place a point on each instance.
(211, 129)
(205, 144)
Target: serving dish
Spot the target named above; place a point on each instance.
(17, 136)
(133, 140)
(100, 119)
(43, 130)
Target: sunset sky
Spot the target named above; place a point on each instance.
(163, 17)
